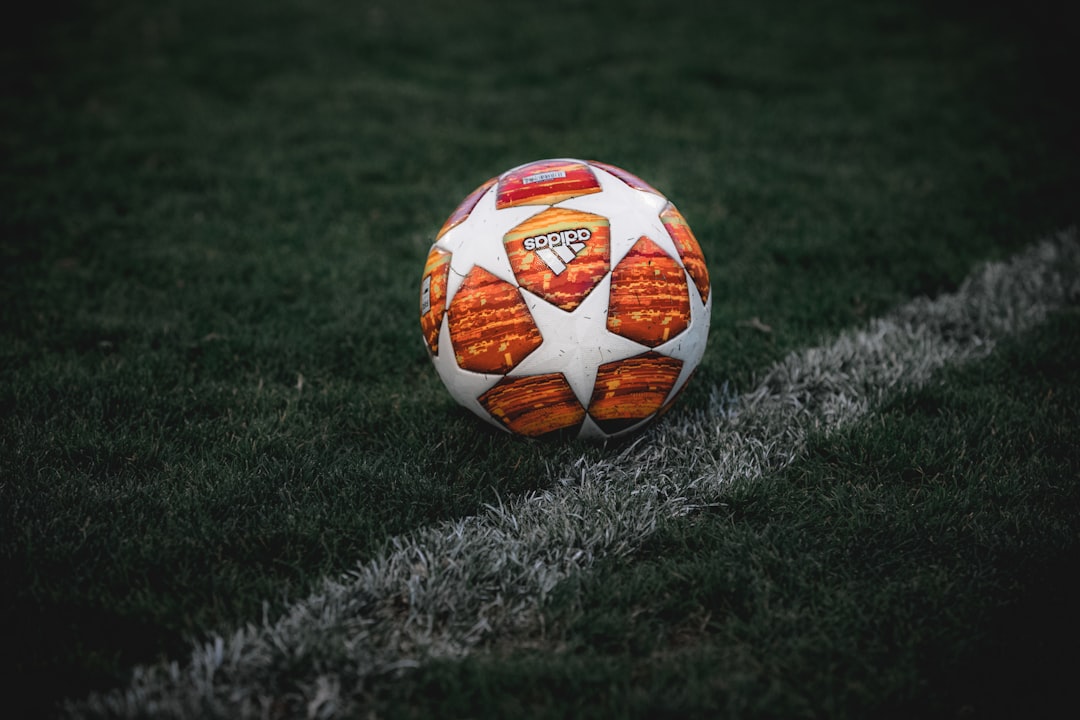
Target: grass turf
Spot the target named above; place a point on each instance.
(213, 387)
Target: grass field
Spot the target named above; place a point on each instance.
(214, 393)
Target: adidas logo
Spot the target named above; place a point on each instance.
(556, 249)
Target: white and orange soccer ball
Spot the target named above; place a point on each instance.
(567, 297)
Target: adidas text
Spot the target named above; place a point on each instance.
(557, 239)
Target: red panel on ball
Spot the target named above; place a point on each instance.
(633, 389)
(433, 296)
(545, 182)
(650, 300)
(560, 254)
(688, 247)
(534, 405)
(490, 325)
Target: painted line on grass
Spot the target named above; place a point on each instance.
(438, 592)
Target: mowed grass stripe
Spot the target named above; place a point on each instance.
(439, 592)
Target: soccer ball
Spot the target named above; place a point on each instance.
(565, 297)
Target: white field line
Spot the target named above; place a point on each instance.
(437, 592)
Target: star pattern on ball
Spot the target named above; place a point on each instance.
(631, 213)
(467, 252)
(578, 339)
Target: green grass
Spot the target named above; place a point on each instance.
(917, 564)
(202, 205)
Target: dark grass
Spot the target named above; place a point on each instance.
(917, 564)
(213, 217)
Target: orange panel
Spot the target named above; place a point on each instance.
(560, 255)
(466, 207)
(678, 394)
(627, 177)
(490, 325)
(545, 182)
(633, 389)
(433, 296)
(650, 301)
(688, 247)
(534, 405)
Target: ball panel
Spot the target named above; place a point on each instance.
(619, 426)
(649, 301)
(633, 389)
(491, 328)
(462, 212)
(560, 255)
(545, 182)
(689, 249)
(433, 296)
(679, 389)
(534, 405)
